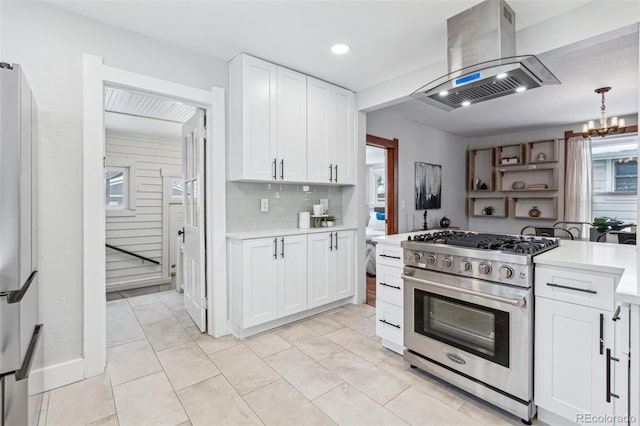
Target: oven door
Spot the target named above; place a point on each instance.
(479, 329)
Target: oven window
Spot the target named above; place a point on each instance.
(473, 328)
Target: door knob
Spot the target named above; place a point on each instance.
(173, 274)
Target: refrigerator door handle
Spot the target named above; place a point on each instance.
(16, 296)
(25, 368)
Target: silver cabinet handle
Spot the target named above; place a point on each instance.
(25, 368)
(336, 178)
(584, 290)
(282, 247)
(331, 241)
(15, 296)
(275, 248)
(275, 167)
(397, 287)
(616, 314)
(512, 302)
(330, 173)
(282, 169)
(389, 323)
(336, 246)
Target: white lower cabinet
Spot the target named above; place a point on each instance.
(276, 277)
(581, 352)
(330, 267)
(389, 297)
(268, 278)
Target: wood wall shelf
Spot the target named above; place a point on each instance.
(529, 176)
(542, 152)
(509, 155)
(521, 206)
(480, 167)
(478, 204)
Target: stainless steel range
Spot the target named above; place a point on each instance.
(468, 313)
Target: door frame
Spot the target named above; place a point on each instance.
(391, 147)
(96, 76)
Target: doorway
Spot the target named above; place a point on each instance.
(381, 199)
(214, 295)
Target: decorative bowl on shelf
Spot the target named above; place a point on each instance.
(541, 157)
(518, 185)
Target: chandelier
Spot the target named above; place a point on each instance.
(617, 126)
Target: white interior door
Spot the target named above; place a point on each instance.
(193, 145)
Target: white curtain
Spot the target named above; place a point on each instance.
(578, 185)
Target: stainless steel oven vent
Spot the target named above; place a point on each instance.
(481, 60)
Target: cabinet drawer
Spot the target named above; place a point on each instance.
(389, 322)
(582, 288)
(389, 255)
(389, 285)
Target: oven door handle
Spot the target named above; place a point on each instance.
(513, 302)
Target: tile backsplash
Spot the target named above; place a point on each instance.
(285, 201)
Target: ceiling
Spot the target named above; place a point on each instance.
(607, 60)
(387, 38)
(135, 112)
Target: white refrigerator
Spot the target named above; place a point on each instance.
(20, 326)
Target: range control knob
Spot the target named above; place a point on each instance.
(506, 271)
(431, 259)
(418, 257)
(466, 265)
(484, 268)
(447, 262)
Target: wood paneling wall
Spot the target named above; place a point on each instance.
(141, 233)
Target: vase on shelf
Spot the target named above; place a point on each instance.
(534, 212)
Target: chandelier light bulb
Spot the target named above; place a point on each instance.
(617, 125)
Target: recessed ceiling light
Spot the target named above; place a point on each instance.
(444, 93)
(521, 89)
(502, 75)
(466, 103)
(340, 48)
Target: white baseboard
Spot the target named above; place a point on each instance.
(57, 375)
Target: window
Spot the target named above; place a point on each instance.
(120, 186)
(176, 188)
(615, 177)
(116, 185)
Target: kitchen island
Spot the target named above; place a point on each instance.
(587, 333)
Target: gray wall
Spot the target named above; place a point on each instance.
(511, 225)
(49, 43)
(285, 201)
(417, 142)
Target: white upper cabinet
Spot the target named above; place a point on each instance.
(288, 127)
(253, 119)
(292, 126)
(330, 133)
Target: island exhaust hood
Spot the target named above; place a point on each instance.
(482, 61)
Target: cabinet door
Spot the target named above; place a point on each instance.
(321, 284)
(341, 143)
(260, 281)
(292, 275)
(343, 252)
(292, 126)
(570, 371)
(259, 119)
(319, 125)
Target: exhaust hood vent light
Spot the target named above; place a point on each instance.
(475, 38)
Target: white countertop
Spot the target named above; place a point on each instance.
(617, 259)
(247, 235)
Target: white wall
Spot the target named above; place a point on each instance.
(49, 44)
(141, 233)
(417, 142)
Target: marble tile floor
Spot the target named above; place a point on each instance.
(326, 370)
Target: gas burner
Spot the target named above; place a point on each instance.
(505, 243)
